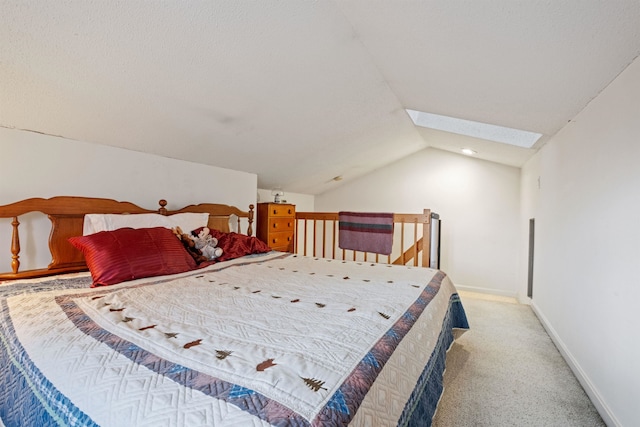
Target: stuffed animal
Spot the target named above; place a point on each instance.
(206, 243)
(190, 245)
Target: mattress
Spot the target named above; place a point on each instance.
(264, 340)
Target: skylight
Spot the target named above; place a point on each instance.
(519, 138)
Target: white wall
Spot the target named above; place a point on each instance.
(36, 165)
(477, 200)
(586, 276)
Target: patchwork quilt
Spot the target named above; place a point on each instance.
(265, 340)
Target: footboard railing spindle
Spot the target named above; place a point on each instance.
(415, 240)
(324, 238)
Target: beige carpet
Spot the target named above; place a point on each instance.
(506, 371)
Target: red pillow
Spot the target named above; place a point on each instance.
(235, 245)
(128, 253)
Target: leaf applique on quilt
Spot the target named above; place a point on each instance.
(147, 327)
(351, 309)
(265, 365)
(116, 309)
(255, 292)
(97, 297)
(171, 334)
(314, 384)
(320, 305)
(295, 300)
(386, 316)
(346, 277)
(192, 343)
(222, 354)
(128, 319)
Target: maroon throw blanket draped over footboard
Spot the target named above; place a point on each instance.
(366, 232)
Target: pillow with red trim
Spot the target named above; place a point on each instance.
(132, 253)
(235, 245)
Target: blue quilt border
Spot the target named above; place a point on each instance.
(421, 406)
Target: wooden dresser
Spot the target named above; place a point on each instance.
(276, 225)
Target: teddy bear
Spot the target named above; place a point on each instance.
(190, 245)
(206, 243)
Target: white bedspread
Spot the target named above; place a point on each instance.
(254, 341)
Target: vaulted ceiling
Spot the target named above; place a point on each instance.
(299, 92)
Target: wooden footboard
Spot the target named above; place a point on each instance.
(66, 214)
(317, 235)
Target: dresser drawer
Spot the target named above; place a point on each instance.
(282, 210)
(279, 240)
(281, 224)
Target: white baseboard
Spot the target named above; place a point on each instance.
(603, 409)
(488, 291)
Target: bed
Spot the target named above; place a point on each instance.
(259, 338)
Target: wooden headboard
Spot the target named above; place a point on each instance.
(67, 217)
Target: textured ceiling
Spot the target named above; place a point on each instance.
(301, 91)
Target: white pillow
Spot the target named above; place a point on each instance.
(188, 221)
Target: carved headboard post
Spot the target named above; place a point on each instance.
(15, 245)
(250, 218)
(162, 210)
